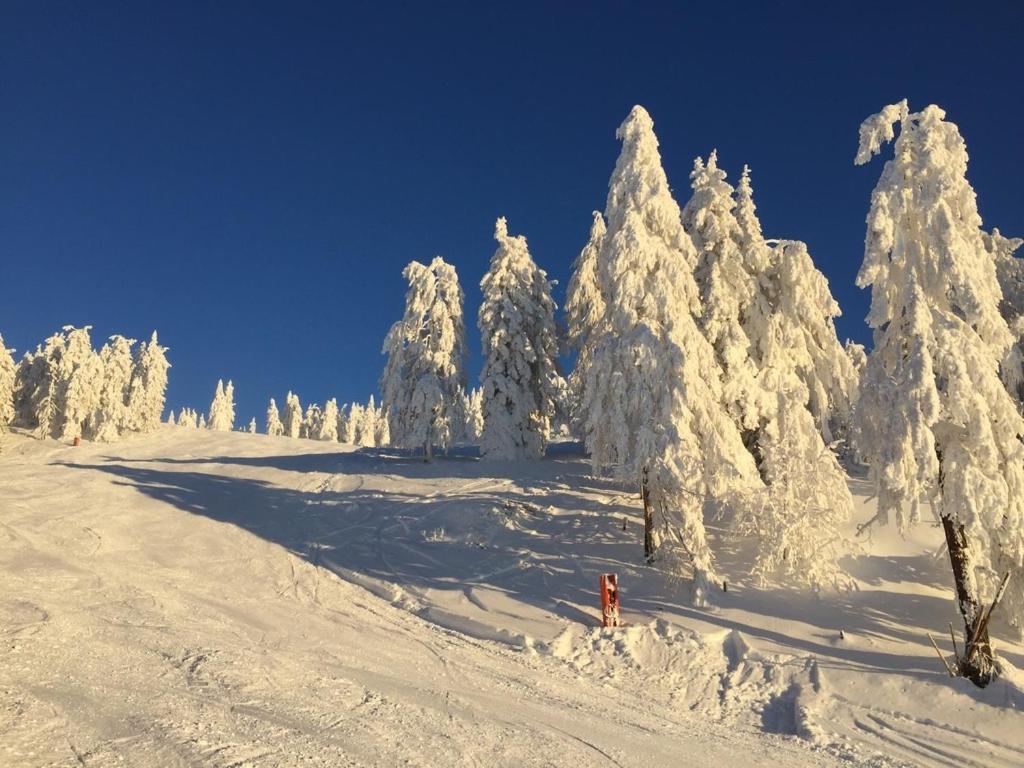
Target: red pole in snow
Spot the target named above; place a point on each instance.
(609, 600)
(77, 441)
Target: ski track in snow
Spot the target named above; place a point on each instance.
(195, 598)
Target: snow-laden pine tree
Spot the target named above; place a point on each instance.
(8, 372)
(935, 419)
(794, 523)
(424, 379)
(79, 381)
(345, 425)
(222, 409)
(112, 418)
(355, 420)
(366, 429)
(188, 418)
(653, 395)
(274, 425)
(171, 421)
(795, 287)
(474, 410)
(292, 415)
(1010, 273)
(202, 421)
(329, 422)
(382, 436)
(311, 422)
(520, 347)
(584, 308)
(252, 426)
(148, 388)
(728, 287)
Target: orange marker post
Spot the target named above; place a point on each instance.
(609, 600)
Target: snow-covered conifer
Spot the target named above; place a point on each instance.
(8, 371)
(79, 381)
(292, 415)
(355, 419)
(517, 327)
(274, 425)
(383, 433)
(653, 390)
(148, 387)
(171, 422)
(252, 426)
(584, 308)
(311, 422)
(112, 417)
(423, 379)
(935, 419)
(202, 421)
(329, 422)
(474, 409)
(728, 286)
(222, 409)
(366, 430)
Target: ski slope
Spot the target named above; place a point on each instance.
(195, 598)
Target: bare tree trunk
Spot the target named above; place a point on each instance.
(645, 495)
(978, 662)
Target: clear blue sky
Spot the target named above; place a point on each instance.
(250, 178)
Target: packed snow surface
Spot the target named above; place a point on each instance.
(194, 598)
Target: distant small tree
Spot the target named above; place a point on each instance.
(329, 422)
(292, 415)
(148, 387)
(222, 409)
(252, 426)
(274, 425)
(8, 372)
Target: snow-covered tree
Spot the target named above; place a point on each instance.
(329, 422)
(171, 421)
(935, 419)
(311, 422)
(474, 410)
(366, 430)
(274, 425)
(252, 426)
(584, 308)
(112, 417)
(350, 434)
(222, 409)
(382, 437)
(653, 390)
(728, 287)
(1010, 273)
(202, 421)
(148, 388)
(8, 372)
(292, 415)
(520, 347)
(423, 379)
(79, 380)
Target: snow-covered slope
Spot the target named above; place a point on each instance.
(198, 598)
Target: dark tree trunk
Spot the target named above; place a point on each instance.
(645, 494)
(978, 662)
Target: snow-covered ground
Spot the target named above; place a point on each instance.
(199, 598)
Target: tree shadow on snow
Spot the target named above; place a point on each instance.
(517, 540)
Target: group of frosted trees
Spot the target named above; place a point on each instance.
(709, 375)
(707, 366)
(66, 390)
(355, 424)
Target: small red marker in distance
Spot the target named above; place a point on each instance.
(609, 600)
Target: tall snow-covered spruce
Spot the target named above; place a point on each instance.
(584, 308)
(936, 421)
(222, 409)
(423, 381)
(148, 387)
(274, 425)
(520, 346)
(652, 396)
(8, 371)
